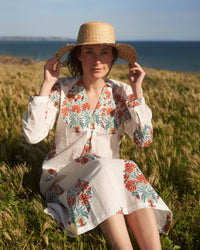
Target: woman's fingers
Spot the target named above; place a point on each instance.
(50, 63)
(58, 66)
(53, 65)
(136, 68)
(136, 76)
(51, 75)
(136, 73)
(52, 70)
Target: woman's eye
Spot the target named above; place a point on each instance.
(88, 52)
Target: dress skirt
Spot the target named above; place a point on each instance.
(98, 188)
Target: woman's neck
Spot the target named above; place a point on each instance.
(93, 85)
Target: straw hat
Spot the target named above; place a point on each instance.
(100, 33)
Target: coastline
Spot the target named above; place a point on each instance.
(36, 38)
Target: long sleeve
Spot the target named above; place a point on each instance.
(40, 116)
(139, 127)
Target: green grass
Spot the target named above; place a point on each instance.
(171, 163)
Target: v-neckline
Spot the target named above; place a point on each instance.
(98, 101)
(85, 94)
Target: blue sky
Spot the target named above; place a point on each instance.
(132, 19)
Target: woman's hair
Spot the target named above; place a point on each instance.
(74, 64)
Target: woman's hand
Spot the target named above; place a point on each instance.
(136, 76)
(51, 75)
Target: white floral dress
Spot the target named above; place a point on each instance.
(83, 179)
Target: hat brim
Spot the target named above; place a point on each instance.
(125, 51)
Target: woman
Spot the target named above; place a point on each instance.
(84, 181)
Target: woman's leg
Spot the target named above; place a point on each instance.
(144, 227)
(116, 233)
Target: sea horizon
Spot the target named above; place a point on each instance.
(67, 39)
(174, 55)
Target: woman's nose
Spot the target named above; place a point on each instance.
(97, 58)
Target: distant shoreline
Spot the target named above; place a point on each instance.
(61, 39)
(24, 38)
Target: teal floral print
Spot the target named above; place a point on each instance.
(109, 114)
(120, 211)
(136, 183)
(54, 192)
(55, 95)
(111, 111)
(52, 152)
(78, 199)
(132, 102)
(143, 136)
(52, 174)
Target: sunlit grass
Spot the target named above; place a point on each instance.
(171, 163)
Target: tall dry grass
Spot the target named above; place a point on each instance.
(171, 163)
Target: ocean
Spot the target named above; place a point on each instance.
(169, 55)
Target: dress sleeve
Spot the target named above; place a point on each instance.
(139, 125)
(41, 115)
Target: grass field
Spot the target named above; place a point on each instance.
(171, 163)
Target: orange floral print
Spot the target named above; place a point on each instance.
(76, 108)
(141, 178)
(52, 171)
(54, 193)
(78, 199)
(130, 185)
(129, 167)
(85, 106)
(65, 110)
(136, 183)
(84, 198)
(107, 93)
(110, 111)
(81, 222)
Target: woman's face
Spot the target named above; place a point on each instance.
(96, 60)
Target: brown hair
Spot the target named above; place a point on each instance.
(74, 64)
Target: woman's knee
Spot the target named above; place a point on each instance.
(116, 233)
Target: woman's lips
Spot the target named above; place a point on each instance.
(97, 69)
